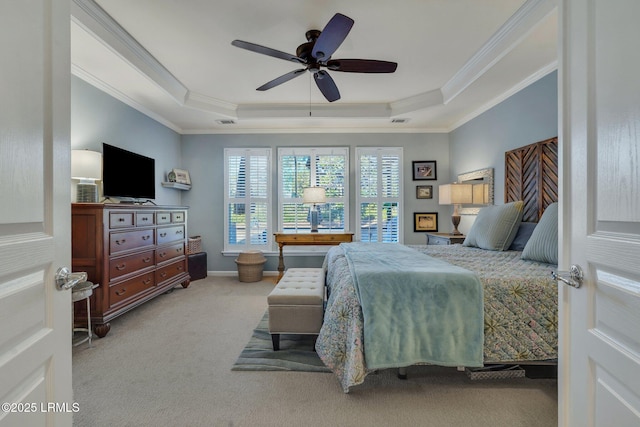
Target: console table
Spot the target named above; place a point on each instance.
(308, 239)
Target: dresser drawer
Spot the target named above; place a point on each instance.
(169, 252)
(129, 264)
(130, 288)
(169, 271)
(163, 217)
(144, 219)
(120, 242)
(177, 217)
(120, 219)
(169, 234)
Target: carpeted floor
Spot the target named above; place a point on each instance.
(296, 352)
(169, 363)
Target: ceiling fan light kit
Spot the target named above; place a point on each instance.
(316, 53)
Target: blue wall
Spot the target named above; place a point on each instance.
(528, 116)
(203, 156)
(97, 117)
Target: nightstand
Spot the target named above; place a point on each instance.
(444, 239)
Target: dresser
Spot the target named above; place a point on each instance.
(134, 253)
(444, 238)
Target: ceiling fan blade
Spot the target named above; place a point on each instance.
(361, 66)
(267, 51)
(327, 86)
(282, 79)
(332, 36)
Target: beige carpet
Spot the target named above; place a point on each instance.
(168, 363)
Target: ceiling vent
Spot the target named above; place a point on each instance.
(226, 122)
(399, 120)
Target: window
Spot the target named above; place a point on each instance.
(379, 198)
(306, 167)
(247, 199)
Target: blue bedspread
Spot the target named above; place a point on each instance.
(416, 308)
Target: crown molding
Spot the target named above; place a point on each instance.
(549, 68)
(93, 19)
(500, 44)
(373, 111)
(417, 102)
(213, 105)
(110, 90)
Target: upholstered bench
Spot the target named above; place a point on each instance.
(296, 304)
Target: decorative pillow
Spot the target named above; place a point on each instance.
(522, 236)
(495, 226)
(543, 244)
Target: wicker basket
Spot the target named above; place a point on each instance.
(194, 245)
(250, 266)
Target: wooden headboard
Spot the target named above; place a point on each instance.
(531, 175)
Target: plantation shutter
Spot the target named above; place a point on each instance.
(380, 194)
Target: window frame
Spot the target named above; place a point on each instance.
(312, 152)
(248, 198)
(379, 200)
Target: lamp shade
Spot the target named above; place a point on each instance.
(480, 194)
(86, 165)
(455, 194)
(314, 195)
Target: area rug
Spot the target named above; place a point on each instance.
(296, 352)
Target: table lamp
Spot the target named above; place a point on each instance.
(455, 194)
(314, 196)
(87, 167)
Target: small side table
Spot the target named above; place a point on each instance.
(444, 238)
(80, 291)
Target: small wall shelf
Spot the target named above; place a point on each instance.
(176, 185)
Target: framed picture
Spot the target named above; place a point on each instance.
(424, 170)
(182, 176)
(425, 221)
(424, 192)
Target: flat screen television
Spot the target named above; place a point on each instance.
(127, 175)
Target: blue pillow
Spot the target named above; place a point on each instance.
(522, 236)
(543, 244)
(495, 226)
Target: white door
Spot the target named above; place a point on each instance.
(35, 318)
(599, 373)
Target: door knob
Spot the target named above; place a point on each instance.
(65, 279)
(573, 277)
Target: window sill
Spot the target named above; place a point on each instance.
(288, 251)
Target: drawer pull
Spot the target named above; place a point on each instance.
(121, 291)
(179, 250)
(163, 274)
(146, 282)
(146, 260)
(147, 237)
(162, 254)
(121, 242)
(179, 231)
(163, 217)
(121, 266)
(180, 268)
(120, 219)
(163, 234)
(145, 218)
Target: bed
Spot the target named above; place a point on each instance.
(516, 300)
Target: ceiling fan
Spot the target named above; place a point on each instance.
(316, 53)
